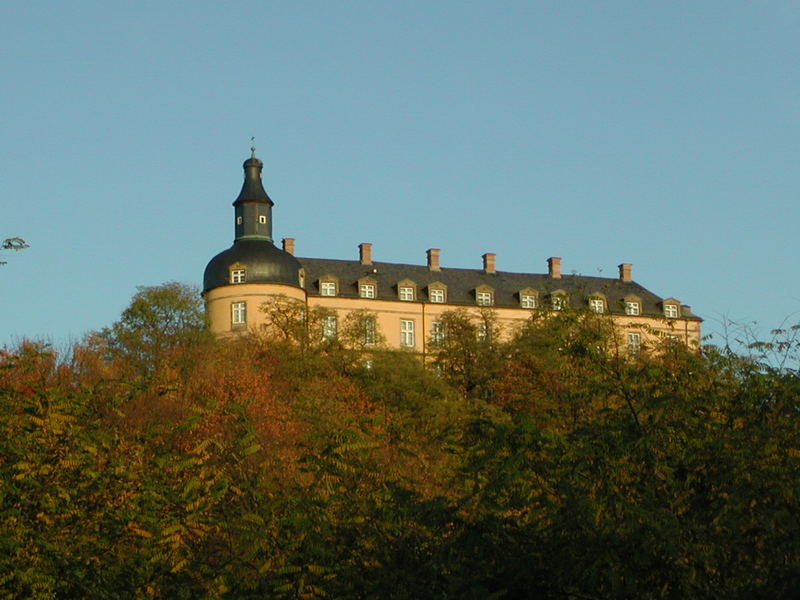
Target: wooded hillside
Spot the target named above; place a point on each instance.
(157, 462)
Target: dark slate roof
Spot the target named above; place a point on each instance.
(263, 261)
(252, 188)
(461, 284)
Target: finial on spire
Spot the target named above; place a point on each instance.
(253, 147)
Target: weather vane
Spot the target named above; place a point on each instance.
(253, 147)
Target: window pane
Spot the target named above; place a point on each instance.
(406, 333)
(238, 313)
(329, 326)
(484, 298)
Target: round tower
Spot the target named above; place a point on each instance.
(238, 280)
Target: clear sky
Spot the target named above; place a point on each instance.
(665, 134)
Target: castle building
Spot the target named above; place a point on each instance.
(405, 303)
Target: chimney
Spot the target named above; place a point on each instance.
(626, 272)
(489, 262)
(365, 253)
(288, 245)
(554, 267)
(433, 259)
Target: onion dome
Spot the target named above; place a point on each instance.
(253, 258)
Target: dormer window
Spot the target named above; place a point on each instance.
(558, 300)
(671, 311)
(484, 296)
(238, 275)
(597, 304)
(528, 298)
(407, 290)
(633, 307)
(437, 293)
(367, 290)
(328, 285)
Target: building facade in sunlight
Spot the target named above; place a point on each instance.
(403, 303)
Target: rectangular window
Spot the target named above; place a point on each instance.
(238, 220)
(597, 305)
(557, 302)
(437, 333)
(327, 288)
(369, 330)
(634, 342)
(238, 276)
(632, 308)
(329, 327)
(407, 293)
(238, 313)
(484, 298)
(407, 333)
(671, 311)
(366, 290)
(484, 332)
(437, 296)
(262, 219)
(527, 301)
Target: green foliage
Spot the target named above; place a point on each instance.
(548, 465)
(160, 322)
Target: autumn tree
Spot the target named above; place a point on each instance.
(159, 322)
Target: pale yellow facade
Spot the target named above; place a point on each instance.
(393, 317)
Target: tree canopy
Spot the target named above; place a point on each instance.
(546, 464)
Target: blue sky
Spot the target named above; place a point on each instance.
(661, 134)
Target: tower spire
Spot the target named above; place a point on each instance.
(253, 207)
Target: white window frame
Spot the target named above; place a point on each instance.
(484, 332)
(633, 308)
(262, 219)
(484, 298)
(437, 295)
(558, 302)
(527, 301)
(330, 325)
(238, 313)
(238, 275)
(327, 288)
(634, 342)
(437, 333)
(370, 330)
(407, 338)
(406, 293)
(366, 290)
(671, 311)
(597, 305)
(239, 220)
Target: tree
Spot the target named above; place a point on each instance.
(161, 321)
